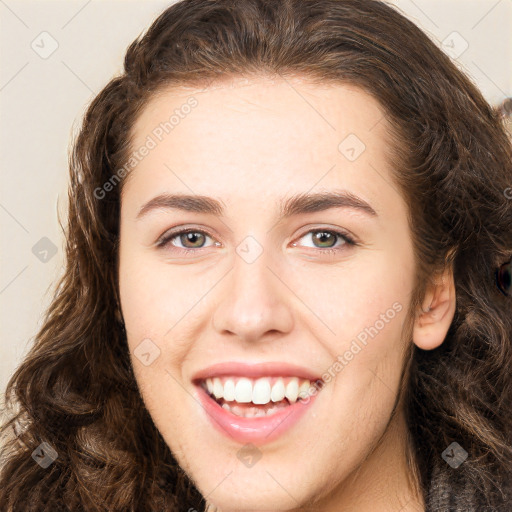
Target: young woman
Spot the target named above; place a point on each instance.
(287, 282)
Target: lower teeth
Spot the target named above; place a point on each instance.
(255, 411)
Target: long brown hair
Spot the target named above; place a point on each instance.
(452, 161)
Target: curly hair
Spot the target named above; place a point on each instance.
(452, 160)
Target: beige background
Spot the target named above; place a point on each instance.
(42, 98)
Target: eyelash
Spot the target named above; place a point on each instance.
(165, 240)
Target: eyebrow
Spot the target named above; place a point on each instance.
(295, 205)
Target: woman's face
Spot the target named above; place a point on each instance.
(265, 293)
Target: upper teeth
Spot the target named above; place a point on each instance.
(258, 391)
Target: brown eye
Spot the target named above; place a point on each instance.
(192, 237)
(504, 278)
(187, 240)
(327, 238)
(324, 237)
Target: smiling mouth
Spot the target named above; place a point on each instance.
(254, 398)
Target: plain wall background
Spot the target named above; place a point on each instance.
(42, 98)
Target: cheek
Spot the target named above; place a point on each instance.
(154, 299)
(366, 299)
(163, 316)
(151, 307)
(368, 314)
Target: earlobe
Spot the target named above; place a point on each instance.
(434, 317)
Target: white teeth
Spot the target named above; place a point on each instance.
(253, 412)
(229, 390)
(278, 391)
(292, 390)
(243, 391)
(261, 391)
(218, 388)
(304, 389)
(258, 391)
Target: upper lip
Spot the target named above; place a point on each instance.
(255, 370)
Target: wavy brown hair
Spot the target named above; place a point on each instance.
(452, 162)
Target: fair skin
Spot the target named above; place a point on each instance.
(250, 144)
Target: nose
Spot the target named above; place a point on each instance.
(255, 303)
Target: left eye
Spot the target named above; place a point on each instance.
(194, 239)
(327, 236)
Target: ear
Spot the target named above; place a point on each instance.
(434, 318)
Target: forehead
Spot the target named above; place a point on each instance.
(302, 107)
(262, 136)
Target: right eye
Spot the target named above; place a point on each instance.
(189, 238)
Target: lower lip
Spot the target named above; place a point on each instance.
(258, 430)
